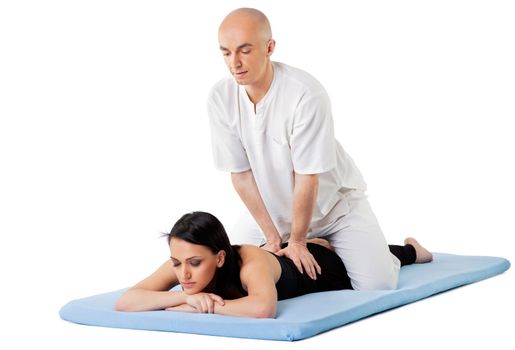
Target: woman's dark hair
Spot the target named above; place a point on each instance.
(205, 229)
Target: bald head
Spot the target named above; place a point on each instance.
(246, 18)
(246, 42)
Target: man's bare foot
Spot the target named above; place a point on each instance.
(322, 242)
(423, 255)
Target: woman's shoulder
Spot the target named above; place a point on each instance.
(255, 259)
(250, 253)
(247, 250)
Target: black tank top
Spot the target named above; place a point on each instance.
(292, 283)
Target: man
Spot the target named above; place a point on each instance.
(272, 128)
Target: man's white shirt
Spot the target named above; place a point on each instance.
(291, 131)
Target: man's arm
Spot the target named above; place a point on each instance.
(305, 193)
(304, 199)
(246, 187)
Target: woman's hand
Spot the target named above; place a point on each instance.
(182, 307)
(200, 302)
(204, 302)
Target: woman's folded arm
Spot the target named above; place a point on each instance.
(261, 301)
(136, 299)
(153, 293)
(249, 306)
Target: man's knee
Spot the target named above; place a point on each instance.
(386, 280)
(378, 283)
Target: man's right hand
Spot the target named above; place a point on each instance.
(302, 258)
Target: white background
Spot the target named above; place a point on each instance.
(104, 143)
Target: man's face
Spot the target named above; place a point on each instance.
(246, 52)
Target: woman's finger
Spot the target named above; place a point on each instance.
(217, 298)
(210, 304)
(201, 305)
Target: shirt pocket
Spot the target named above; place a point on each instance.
(279, 152)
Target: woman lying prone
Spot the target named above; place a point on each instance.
(245, 280)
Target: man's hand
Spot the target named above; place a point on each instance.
(272, 246)
(302, 258)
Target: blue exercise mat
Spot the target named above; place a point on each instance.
(300, 317)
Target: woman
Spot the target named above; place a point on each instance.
(237, 280)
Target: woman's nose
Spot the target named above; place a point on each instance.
(186, 273)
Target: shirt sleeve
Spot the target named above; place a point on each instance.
(313, 146)
(228, 151)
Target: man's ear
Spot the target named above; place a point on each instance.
(270, 47)
(220, 258)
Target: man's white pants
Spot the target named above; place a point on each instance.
(356, 237)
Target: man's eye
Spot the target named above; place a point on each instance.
(245, 52)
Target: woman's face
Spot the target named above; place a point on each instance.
(195, 265)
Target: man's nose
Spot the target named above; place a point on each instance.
(234, 61)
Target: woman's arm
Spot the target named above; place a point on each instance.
(261, 301)
(153, 292)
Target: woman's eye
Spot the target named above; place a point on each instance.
(195, 263)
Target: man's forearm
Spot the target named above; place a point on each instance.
(246, 187)
(304, 200)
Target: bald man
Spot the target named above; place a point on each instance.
(272, 129)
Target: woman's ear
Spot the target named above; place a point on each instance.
(220, 258)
